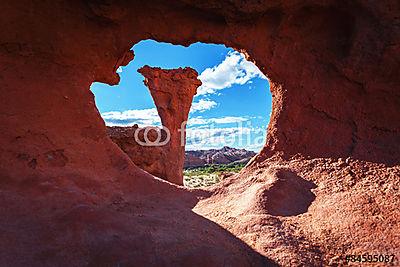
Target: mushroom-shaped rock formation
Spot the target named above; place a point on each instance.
(172, 91)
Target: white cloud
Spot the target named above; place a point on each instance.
(235, 69)
(205, 138)
(197, 121)
(142, 117)
(209, 137)
(150, 117)
(222, 120)
(119, 70)
(229, 119)
(202, 135)
(202, 105)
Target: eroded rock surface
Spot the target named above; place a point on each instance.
(310, 212)
(172, 91)
(71, 197)
(163, 153)
(151, 158)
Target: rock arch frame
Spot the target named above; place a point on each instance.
(333, 68)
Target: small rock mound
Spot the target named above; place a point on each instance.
(286, 194)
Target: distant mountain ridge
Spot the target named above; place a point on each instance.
(225, 155)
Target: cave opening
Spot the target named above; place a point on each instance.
(228, 117)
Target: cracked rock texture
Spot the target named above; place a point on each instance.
(70, 197)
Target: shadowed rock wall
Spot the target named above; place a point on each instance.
(152, 159)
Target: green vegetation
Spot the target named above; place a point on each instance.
(209, 175)
(213, 169)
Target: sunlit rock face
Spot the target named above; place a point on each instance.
(161, 151)
(172, 91)
(71, 197)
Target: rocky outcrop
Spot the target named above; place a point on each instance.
(161, 150)
(152, 158)
(225, 155)
(172, 91)
(71, 197)
(312, 211)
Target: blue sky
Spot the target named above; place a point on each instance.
(232, 107)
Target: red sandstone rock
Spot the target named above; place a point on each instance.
(71, 197)
(152, 159)
(172, 91)
(332, 208)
